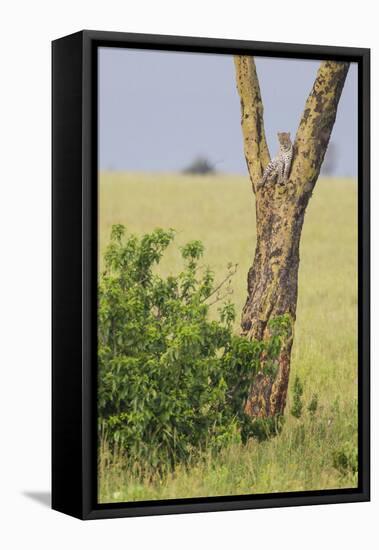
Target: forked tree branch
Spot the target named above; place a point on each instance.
(314, 130)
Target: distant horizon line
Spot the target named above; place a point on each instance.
(213, 173)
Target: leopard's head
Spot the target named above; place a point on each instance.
(285, 140)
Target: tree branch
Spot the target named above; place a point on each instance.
(316, 125)
(255, 146)
(230, 274)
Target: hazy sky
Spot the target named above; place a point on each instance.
(159, 110)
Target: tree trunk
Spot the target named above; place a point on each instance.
(273, 278)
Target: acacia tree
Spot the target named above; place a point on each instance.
(272, 281)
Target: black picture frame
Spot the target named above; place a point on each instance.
(74, 272)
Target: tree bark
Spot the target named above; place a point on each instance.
(272, 281)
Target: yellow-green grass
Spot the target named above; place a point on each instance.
(219, 211)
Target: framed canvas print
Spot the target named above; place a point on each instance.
(210, 274)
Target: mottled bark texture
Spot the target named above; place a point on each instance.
(273, 278)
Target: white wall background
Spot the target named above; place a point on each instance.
(27, 29)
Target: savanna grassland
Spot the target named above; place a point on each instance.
(317, 450)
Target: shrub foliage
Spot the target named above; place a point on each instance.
(171, 381)
(297, 406)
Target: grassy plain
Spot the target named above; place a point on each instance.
(313, 452)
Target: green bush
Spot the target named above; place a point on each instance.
(313, 405)
(345, 459)
(171, 382)
(297, 405)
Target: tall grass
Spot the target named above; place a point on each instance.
(219, 210)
